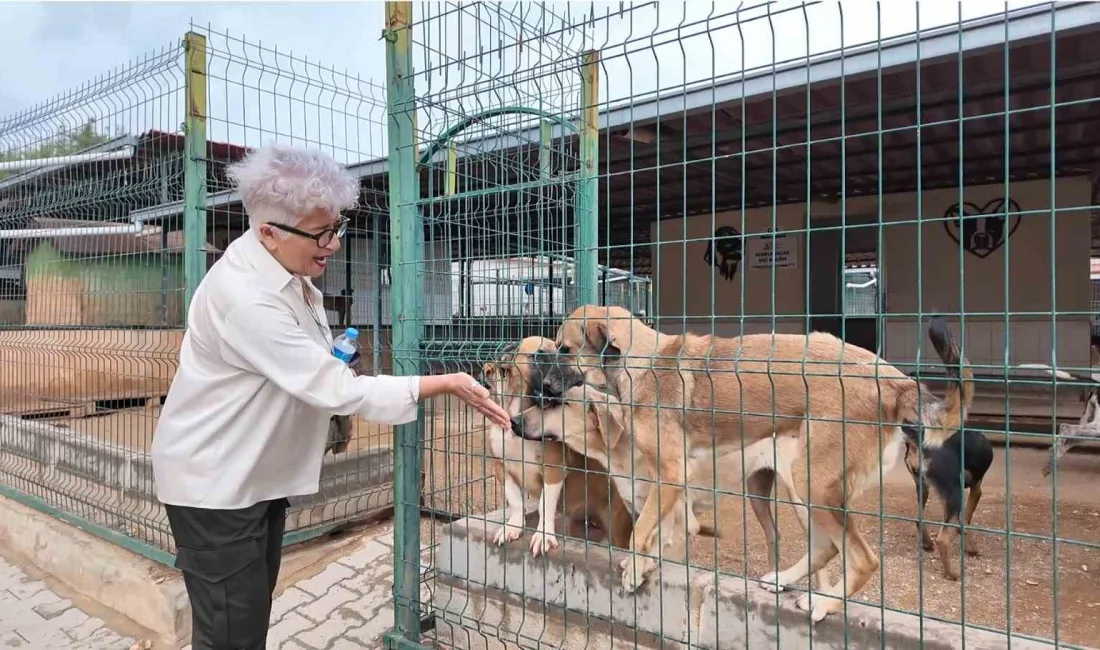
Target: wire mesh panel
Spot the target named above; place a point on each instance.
(114, 200)
(93, 308)
(910, 183)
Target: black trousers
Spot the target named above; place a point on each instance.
(230, 563)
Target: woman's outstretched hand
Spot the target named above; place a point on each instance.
(469, 390)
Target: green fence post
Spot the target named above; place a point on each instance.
(405, 243)
(194, 167)
(588, 187)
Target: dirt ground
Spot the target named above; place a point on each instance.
(1010, 580)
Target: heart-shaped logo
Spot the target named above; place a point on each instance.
(982, 230)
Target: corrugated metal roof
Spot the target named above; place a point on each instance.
(866, 121)
(1029, 27)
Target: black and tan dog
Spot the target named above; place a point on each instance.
(697, 399)
(954, 468)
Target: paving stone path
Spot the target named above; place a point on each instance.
(349, 604)
(33, 616)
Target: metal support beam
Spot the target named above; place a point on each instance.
(194, 170)
(376, 308)
(451, 183)
(587, 215)
(545, 154)
(406, 235)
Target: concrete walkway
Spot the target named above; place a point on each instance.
(33, 616)
(349, 604)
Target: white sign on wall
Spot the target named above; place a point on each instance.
(765, 252)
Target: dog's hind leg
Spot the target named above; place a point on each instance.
(946, 479)
(760, 485)
(972, 505)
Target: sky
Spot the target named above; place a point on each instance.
(467, 60)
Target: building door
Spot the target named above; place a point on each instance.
(845, 296)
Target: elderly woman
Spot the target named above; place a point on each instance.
(245, 422)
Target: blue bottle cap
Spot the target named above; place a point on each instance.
(352, 333)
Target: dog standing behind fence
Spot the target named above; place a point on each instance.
(550, 469)
(693, 395)
(968, 455)
(339, 426)
(1088, 425)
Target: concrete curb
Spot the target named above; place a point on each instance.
(704, 610)
(131, 472)
(149, 593)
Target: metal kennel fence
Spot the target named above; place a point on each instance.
(114, 201)
(759, 168)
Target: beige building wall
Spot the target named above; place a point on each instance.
(1046, 243)
(687, 291)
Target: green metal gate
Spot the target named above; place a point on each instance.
(738, 169)
(514, 235)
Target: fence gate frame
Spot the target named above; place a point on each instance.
(411, 619)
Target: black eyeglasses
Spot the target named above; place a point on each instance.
(323, 238)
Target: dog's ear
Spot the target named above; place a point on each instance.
(609, 420)
(488, 370)
(602, 337)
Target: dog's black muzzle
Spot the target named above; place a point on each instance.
(557, 378)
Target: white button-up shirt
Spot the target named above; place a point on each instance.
(246, 417)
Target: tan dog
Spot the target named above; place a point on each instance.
(592, 423)
(700, 397)
(526, 468)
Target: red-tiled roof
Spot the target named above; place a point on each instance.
(156, 141)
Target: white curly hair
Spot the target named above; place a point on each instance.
(280, 183)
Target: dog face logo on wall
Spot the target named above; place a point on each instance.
(727, 244)
(982, 229)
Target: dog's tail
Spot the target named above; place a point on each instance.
(941, 418)
(960, 392)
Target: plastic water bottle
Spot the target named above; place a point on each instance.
(346, 345)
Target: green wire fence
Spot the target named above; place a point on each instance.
(710, 168)
(114, 201)
(733, 169)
